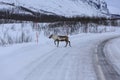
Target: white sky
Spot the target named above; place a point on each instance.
(115, 3)
(114, 6)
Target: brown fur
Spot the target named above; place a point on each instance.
(58, 38)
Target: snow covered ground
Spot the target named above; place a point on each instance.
(66, 8)
(45, 61)
(112, 50)
(26, 32)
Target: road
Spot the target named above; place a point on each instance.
(104, 67)
(48, 62)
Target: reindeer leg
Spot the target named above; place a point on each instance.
(57, 43)
(69, 43)
(66, 43)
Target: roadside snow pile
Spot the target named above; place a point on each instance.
(112, 50)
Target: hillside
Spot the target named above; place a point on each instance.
(68, 8)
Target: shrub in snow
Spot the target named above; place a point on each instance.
(15, 33)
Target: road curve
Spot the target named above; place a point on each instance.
(103, 67)
(48, 62)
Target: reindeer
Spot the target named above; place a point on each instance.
(60, 38)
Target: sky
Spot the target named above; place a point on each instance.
(115, 3)
(114, 6)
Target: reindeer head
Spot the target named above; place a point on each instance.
(51, 36)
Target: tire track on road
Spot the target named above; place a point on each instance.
(32, 65)
(104, 68)
(42, 66)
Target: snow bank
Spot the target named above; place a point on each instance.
(112, 50)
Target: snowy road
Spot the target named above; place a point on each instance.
(112, 50)
(105, 68)
(47, 62)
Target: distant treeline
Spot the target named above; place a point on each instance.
(8, 17)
